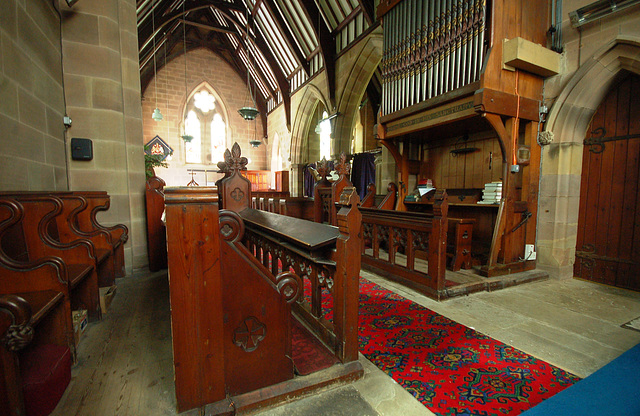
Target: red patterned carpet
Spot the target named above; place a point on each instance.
(450, 368)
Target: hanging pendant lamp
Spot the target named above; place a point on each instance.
(186, 137)
(250, 113)
(157, 115)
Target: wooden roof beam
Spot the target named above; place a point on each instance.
(302, 60)
(327, 44)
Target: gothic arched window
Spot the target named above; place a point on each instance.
(325, 137)
(204, 121)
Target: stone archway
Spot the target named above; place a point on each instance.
(311, 98)
(358, 72)
(562, 159)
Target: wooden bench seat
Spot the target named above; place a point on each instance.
(35, 308)
(156, 229)
(100, 201)
(31, 232)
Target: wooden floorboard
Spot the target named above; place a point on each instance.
(125, 364)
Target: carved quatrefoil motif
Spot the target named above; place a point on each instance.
(249, 334)
(237, 194)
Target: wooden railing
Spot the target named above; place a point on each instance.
(392, 241)
(327, 260)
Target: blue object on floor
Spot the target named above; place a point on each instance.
(612, 390)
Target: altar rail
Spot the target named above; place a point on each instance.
(408, 233)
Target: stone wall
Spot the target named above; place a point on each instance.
(80, 61)
(354, 69)
(102, 89)
(592, 58)
(202, 66)
(32, 151)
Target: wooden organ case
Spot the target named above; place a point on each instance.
(453, 111)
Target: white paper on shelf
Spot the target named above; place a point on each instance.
(424, 190)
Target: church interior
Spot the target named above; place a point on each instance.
(325, 207)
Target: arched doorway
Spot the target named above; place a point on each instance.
(608, 240)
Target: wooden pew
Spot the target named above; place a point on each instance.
(98, 201)
(83, 220)
(369, 200)
(241, 287)
(326, 193)
(67, 230)
(388, 201)
(34, 306)
(34, 235)
(156, 229)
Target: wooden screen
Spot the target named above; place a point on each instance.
(608, 242)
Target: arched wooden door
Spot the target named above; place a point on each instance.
(608, 241)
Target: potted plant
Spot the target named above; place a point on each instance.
(151, 161)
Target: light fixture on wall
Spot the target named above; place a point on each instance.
(250, 112)
(157, 115)
(185, 136)
(598, 10)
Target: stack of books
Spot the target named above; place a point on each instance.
(492, 193)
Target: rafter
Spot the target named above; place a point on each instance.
(327, 45)
(367, 10)
(302, 60)
(235, 28)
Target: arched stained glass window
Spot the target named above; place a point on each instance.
(193, 148)
(218, 135)
(204, 120)
(325, 137)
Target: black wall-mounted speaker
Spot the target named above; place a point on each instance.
(81, 149)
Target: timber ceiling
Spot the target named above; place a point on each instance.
(283, 43)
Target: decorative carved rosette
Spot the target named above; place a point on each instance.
(383, 234)
(367, 230)
(400, 237)
(20, 333)
(289, 285)
(249, 334)
(231, 226)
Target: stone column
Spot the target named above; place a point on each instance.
(102, 91)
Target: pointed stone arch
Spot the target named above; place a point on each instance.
(357, 78)
(561, 167)
(311, 97)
